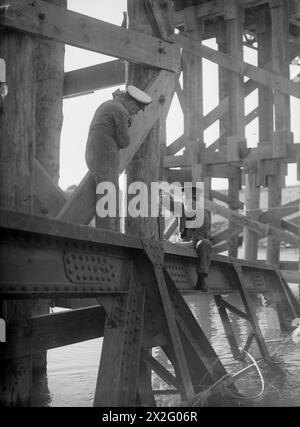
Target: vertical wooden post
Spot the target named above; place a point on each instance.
(223, 77)
(17, 135)
(280, 65)
(193, 91)
(49, 118)
(49, 101)
(192, 68)
(252, 196)
(146, 166)
(234, 18)
(265, 108)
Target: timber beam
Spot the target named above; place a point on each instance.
(45, 332)
(96, 77)
(260, 75)
(264, 152)
(57, 259)
(216, 8)
(39, 18)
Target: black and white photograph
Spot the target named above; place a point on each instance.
(149, 207)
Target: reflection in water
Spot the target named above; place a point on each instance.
(72, 370)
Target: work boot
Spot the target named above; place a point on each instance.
(201, 285)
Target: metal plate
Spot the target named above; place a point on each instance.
(179, 275)
(88, 268)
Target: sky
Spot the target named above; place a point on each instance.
(78, 112)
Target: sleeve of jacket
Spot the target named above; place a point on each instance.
(122, 122)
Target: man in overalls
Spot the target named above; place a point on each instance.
(108, 133)
(200, 239)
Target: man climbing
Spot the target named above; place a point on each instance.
(108, 133)
(201, 241)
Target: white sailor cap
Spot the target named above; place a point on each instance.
(139, 95)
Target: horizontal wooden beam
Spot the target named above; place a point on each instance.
(291, 276)
(235, 204)
(222, 236)
(260, 75)
(43, 19)
(214, 8)
(263, 152)
(282, 211)
(213, 171)
(42, 333)
(264, 230)
(96, 77)
(289, 265)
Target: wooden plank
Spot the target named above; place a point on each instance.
(294, 9)
(280, 212)
(224, 198)
(289, 265)
(161, 15)
(291, 276)
(216, 8)
(214, 171)
(40, 18)
(252, 198)
(264, 77)
(162, 372)
(181, 95)
(216, 113)
(234, 18)
(258, 227)
(80, 208)
(262, 152)
(288, 226)
(53, 331)
(225, 234)
(161, 91)
(176, 145)
(96, 77)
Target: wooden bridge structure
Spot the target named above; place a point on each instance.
(48, 248)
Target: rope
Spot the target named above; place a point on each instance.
(254, 363)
